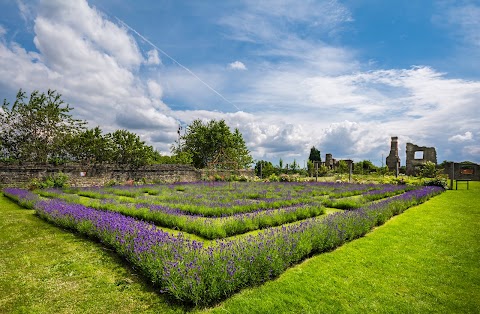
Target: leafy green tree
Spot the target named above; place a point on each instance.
(310, 168)
(214, 142)
(342, 167)
(294, 166)
(180, 158)
(91, 147)
(127, 149)
(364, 167)
(264, 169)
(38, 129)
(314, 155)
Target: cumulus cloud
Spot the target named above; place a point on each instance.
(311, 94)
(468, 136)
(237, 65)
(93, 62)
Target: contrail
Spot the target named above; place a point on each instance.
(178, 63)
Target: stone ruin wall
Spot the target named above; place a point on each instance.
(412, 163)
(81, 176)
(393, 160)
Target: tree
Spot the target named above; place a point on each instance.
(310, 168)
(364, 167)
(128, 149)
(342, 167)
(264, 169)
(90, 146)
(37, 130)
(294, 166)
(314, 155)
(214, 142)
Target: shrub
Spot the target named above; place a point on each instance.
(57, 180)
(441, 182)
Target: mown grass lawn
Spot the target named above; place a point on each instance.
(425, 260)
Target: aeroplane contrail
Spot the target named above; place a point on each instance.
(176, 62)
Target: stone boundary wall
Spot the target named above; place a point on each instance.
(82, 175)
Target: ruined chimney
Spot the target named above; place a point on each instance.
(393, 160)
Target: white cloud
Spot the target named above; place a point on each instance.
(153, 58)
(472, 151)
(468, 136)
(79, 20)
(91, 61)
(237, 65)
(3, 31)
(312, 94)
(25, 10)
(466, 17)
(155, 89)
(266, 21)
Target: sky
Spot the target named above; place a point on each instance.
(343, 76)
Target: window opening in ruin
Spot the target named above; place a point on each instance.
(418, 154)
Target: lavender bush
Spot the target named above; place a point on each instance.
(196, 273)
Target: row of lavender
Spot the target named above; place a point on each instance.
(221, 199)
(296, 205)
(205, 227)
(193, 272)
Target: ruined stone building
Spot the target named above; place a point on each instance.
(418, 156)
(332, 163)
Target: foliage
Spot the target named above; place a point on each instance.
(180, 157)
(364, 167)
(429, 170)
(214, 142)
(264, 169)
(90, 146)
(314, 155)
(342, 167)
(38, 129)
(127, 149)
(56, 180)
(438, 181)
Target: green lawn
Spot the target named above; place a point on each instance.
(425, 260)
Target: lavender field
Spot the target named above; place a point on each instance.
(202, 242)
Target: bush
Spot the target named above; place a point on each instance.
(273, 178)
(57, 180)
(441, 182)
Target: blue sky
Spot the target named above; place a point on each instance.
(343, 76)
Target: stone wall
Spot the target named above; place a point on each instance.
(412, 163)
(81, 175)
